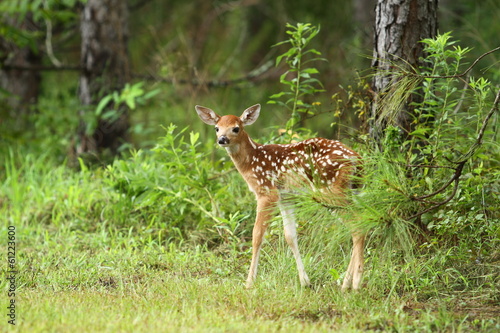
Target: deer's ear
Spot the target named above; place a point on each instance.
(250, 115)
(207, 115)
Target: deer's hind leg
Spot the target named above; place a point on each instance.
(355, 269)
(290, 228)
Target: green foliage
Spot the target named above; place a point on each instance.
(195, 290)
(410, 174)
(302, 84)
(82, 243)
(92, 237)
(127, 96)
(446, 132)
(44, 12)
(107, 236)
(110, 107)
(165, 195)
(47, 131)
(172, 186)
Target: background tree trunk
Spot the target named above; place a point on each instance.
(364, 16)
(21, 86)
(104, 58)
(399, 26)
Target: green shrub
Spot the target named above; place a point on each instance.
(436, 186)
(449, 170)
(181, 192)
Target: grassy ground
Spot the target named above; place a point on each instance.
(88, 261)
(70, 282)
(130, 290)
(118, 290)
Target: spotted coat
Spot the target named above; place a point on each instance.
(319, 162)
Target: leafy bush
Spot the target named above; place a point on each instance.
(443, 175)
(447, 143)
(440, 179)
(173, 187)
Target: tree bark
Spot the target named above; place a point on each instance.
(22, 86)
(399, 26)
(105, 63)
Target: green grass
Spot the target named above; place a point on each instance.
(123, 290)
(91, 261)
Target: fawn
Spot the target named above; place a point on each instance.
(273, 171)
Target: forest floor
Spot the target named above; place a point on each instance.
(69, 284)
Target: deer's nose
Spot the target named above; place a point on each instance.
(223, 140)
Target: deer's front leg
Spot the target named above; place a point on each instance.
(265, 210)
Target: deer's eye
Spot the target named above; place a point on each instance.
(236, 129)
(216, 129)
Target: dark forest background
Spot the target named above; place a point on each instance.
(218, 53)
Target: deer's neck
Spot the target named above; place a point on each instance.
(241, 153)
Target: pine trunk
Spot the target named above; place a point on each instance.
(400, 25)
(21, 84)
(105, 64)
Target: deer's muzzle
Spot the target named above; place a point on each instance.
(223, 140)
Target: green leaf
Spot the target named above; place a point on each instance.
(278, 95)
(130, 102)
(334, 273)
(152, 93)
(102, 104)
(310, 71)
(420, 132)
(193, 137)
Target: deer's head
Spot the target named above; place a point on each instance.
(229, 129)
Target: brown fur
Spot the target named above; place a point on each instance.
(273, 170)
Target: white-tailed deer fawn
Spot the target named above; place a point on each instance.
(273, 171)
